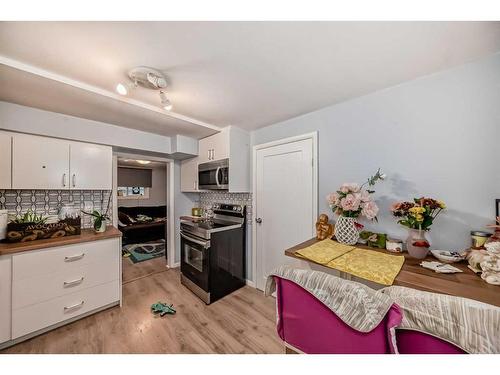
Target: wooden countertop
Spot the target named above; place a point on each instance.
(87, 235)
(466, 284)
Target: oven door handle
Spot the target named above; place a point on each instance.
(205, 244)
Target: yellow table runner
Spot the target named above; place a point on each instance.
(367, 264)
(370, 265)
(324, 251)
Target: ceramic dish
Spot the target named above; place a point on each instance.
(446, 256)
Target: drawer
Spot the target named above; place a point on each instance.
(57, 259)
(32, 290)
(35, 317)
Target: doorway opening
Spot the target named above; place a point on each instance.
(142, 207)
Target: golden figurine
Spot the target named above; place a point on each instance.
(323, 228)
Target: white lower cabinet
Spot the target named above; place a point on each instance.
(41, 315)
(49, 286)
(5, 297)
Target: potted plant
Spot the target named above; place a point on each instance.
(417, 216)
(350, 202)
(100, 218)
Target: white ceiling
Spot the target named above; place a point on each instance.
(248, 74)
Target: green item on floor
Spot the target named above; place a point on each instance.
(162, 308)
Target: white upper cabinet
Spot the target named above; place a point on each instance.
(39, 162)
(56, 164)
(5, 160)
(189, 175)
(215, 147)
(90, 166)
(231, 143)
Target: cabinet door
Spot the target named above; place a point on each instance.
(5, 297)
(91, 166)
(189, 175)
(5, 160)
(204, 149)
(215, 147)
(220, 145)
(39, 162)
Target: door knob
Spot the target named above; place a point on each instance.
(258, 220)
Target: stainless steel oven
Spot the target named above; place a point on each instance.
(195, 264)
(214, 175)
(213, 252)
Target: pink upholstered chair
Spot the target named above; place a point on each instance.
(308, 325)
(414, 342)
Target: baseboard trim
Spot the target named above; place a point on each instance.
(175, 265)
(250, 283)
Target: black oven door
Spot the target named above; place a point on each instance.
(195, 259)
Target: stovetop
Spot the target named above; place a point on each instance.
(226, 217)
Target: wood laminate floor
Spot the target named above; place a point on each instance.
(243, 322)
(133, 271)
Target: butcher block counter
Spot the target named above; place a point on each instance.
(465, 284)
(45, 284)
(87, 235)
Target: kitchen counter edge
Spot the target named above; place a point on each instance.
(87, 235)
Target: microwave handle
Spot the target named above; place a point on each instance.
(217, 176)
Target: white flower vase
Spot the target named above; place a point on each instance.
(346, 231)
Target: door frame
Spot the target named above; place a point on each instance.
(170, 199)
(314, 137)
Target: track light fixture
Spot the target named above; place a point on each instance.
(166, 104)
(148, 78)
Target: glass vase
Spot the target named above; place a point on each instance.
(417, 243)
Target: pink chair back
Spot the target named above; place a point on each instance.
(414, 342)
(308, 325)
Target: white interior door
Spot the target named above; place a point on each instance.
(286, 202)
(91, 166)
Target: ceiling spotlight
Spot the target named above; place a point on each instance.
(143, 162)
(166, 104)
(124, 88)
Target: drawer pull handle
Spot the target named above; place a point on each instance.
(70, 283)
(66, 308)
(74, 257)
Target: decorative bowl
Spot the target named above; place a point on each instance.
(447, 256)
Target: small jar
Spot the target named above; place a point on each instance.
(394, 245)
(479, 238)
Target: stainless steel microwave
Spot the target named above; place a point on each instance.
(214, 175)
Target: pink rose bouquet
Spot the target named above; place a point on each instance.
(353, 200)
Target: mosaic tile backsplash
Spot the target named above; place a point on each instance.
(209, 198)
(48, 202)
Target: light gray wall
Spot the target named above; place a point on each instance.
(437, 136)
(157, 192)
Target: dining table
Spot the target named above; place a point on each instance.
(465, 284)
